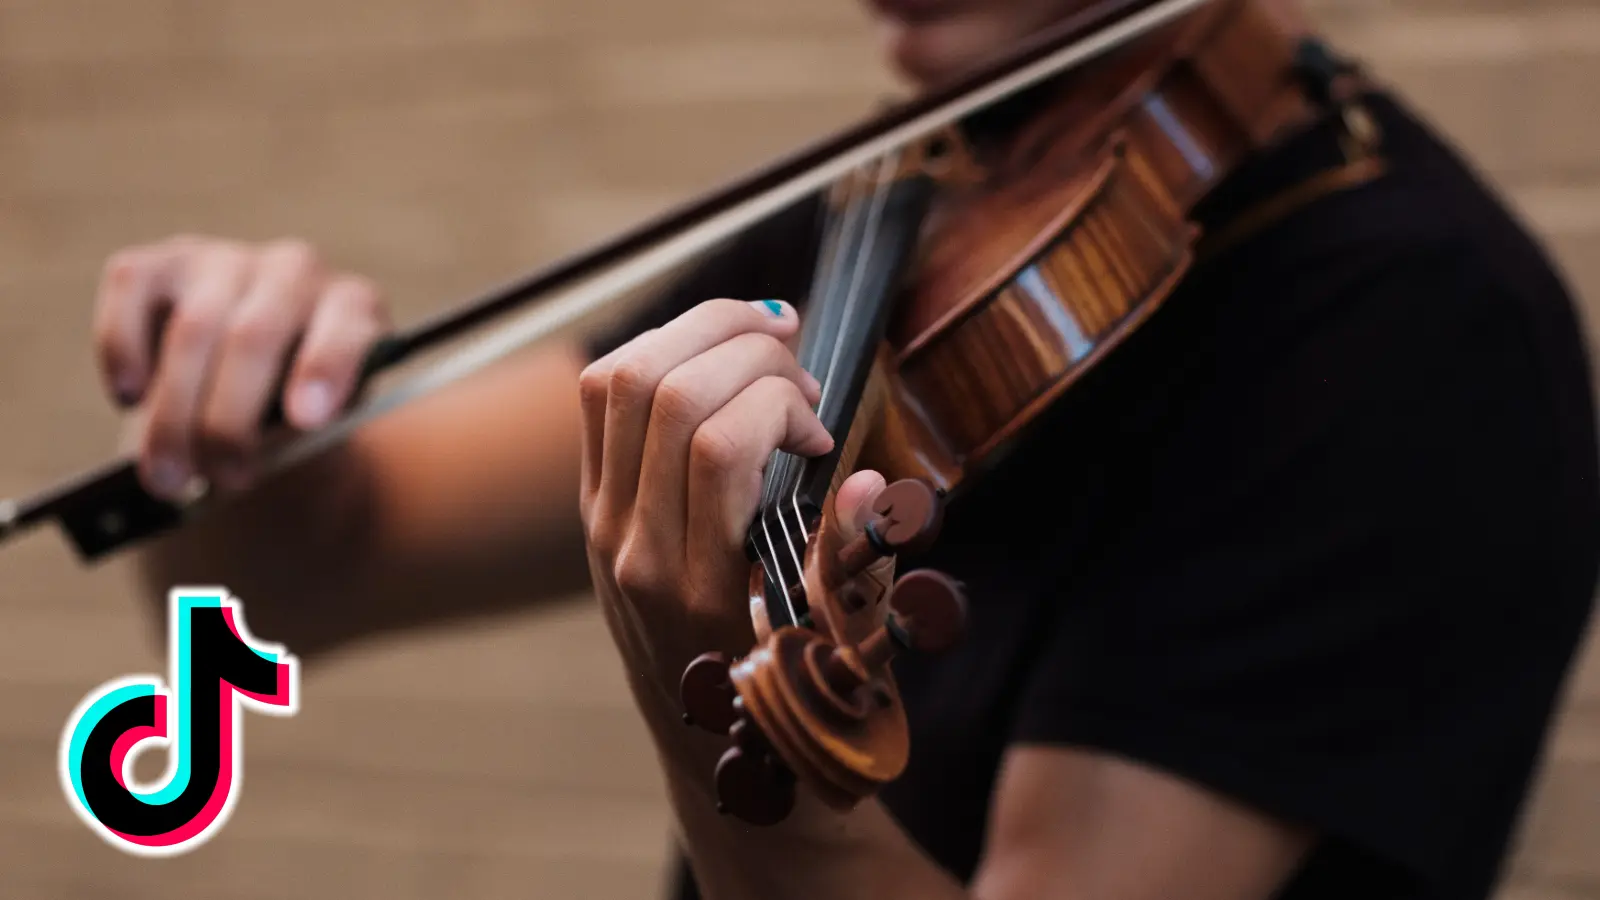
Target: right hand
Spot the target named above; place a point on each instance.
(196, 333)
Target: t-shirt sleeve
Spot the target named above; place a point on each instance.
(772, 260)
(1352, 575)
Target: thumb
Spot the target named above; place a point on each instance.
(853, 503)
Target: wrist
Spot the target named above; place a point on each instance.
(689, 757)
(814, 851)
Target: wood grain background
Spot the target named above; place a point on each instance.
(441, 145)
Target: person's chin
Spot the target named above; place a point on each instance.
(929, 54)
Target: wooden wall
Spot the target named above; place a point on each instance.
(440, 145)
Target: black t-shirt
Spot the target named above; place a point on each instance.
(1322, 535)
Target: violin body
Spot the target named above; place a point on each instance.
(1039, 255)
(1031, 276)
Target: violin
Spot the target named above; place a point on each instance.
(970, 274)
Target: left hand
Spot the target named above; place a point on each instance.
(678, 425)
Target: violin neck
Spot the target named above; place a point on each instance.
(858, 274)
(869, 244)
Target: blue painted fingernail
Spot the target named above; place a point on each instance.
(127, 390)
(773, 307)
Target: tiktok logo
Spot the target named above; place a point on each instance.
(216, 671)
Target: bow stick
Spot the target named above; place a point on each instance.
(106, 509)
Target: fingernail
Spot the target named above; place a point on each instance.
(314, 401)
(774, 308)
(168, 477)
(127, 391)
(811, 381)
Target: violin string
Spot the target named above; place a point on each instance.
(836, 221)
(780, 464)
(853, 294)
(826, 328)
(840, 220)
(879, 202)
(844, 219)
(825, 323)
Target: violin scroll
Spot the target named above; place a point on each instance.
(810, 707)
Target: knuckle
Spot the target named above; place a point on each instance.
(777, 392)
(206, 264)
(676, 402)
(182, 249)
(187, 240)
(634, 572)
(631, 580)
(125, 264)
(760, 345)
(254, 335)
(726, 308)
(165, 434)
(603, 539)
(772, 347)
(594, 383)
(723, 305)
(765, 348)
(362, 296)
(634, 377)
(294, 255)
(195, 326)
(600, 532)
(219, 437)
(714, 448)
(785, 398)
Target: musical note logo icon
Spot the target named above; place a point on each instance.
(216, 671)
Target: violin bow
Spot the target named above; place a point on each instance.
(106, 508)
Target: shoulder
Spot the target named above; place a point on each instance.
(1425, 265)
(1347, 473)
(1401, 355)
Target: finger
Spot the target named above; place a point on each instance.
(852, 503)
(350, 318)
(852, 510)
(687, 397)
(253, 350)
(135, 290)
(644, 361)
(209, 289)
(594, 387)
(726, 459)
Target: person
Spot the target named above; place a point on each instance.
(1278, 602)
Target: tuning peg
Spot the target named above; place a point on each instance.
(707, 694)
(927, 614)
(907, 517)
(928, 611)
(752, 783)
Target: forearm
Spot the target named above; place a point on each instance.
(461, 504)
(815, 852)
